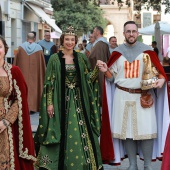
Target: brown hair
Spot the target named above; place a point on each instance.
(4, 43)
(62, 39)
(112, 37)
(166, 61)
(100, 29)
(130, 22)
(80, 46)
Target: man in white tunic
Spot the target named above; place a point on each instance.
(130, 123)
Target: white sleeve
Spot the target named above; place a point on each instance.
(113, 70)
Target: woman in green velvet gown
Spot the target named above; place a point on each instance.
(69, 124)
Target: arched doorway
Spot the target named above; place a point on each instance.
(109, 31)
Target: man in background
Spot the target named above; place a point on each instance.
(84, 43)
(34, 34)
(49, 47)
(30, 60)
(89, 45)
(113, 43)
(100, 51)
(154, 46)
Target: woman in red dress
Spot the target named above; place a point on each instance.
(16, 141)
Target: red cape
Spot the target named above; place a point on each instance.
(106, 142)
(22, 152)
(166, 154)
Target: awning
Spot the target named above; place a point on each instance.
(55, 35)
(39, 12)
(164, 28)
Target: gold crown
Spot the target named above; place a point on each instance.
(69, 31)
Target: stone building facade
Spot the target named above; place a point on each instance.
(18, 17)
(117, 17)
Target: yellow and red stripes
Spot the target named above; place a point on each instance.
(131, 70)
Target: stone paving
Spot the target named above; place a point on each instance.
(124, 165)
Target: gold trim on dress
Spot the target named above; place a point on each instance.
(7, 104)
(22, 153)
(94, 74)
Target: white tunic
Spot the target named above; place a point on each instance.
(128, 118)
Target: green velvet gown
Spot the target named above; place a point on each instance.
(69, 140)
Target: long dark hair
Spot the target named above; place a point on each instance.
(5, 44)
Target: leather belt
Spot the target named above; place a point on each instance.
(131, 90)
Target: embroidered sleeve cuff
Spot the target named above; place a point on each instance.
(94, 74)
(49, 97)
(12, 114)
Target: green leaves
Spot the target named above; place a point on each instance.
(82, 15)
(147, 4)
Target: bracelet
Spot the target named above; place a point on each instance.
(4, 122)
(108, 74)
(160, 76)
(106, 71)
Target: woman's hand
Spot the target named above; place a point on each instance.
(102, 66)
(50, 111)
(159, 83)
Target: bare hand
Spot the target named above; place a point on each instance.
(102, 66)
(159, 83)
(2, 126)
(50, 111)
(99, 62)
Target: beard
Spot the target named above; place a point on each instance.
(131, 42)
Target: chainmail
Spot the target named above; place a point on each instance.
(131, 52)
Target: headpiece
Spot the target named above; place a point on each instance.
(69, 31)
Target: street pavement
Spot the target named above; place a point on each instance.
(124, 165)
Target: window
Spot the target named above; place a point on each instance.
(26, 27)
(137, 19)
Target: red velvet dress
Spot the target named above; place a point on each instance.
(16, 142)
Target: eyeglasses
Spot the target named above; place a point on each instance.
(131, 32)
